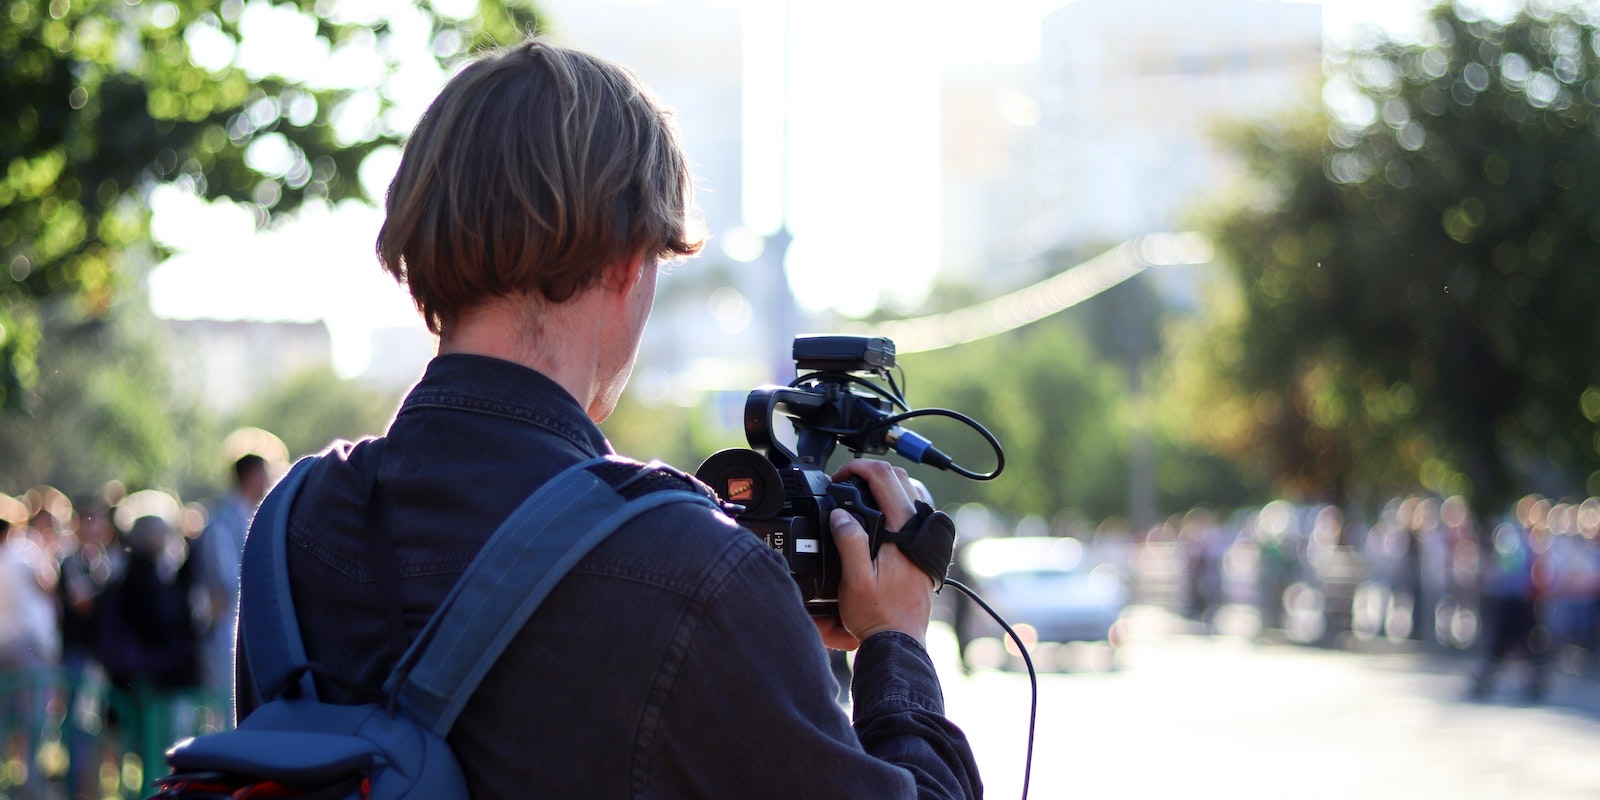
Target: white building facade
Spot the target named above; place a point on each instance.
(1131, 93)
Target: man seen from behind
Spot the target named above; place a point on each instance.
(531, 208)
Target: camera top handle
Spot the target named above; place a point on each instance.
(823, 417)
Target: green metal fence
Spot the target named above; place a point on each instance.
(67, 734)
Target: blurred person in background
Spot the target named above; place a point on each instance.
(85, 570)
(1515, 578)
(1574, 583)
(28, 636)
(1276, 564)
(1431, 621)
(29, 643)
(147, 639)
(1384, 549)
(1205, 543)
(147, 636)
(1463, 585)
(217, 553)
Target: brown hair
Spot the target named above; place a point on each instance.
(536, 168)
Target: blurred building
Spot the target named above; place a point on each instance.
(1110, 134)
(989, 118)
(1131, 93)
(227, 363)
(398, 357)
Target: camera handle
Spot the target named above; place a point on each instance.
(766, 402)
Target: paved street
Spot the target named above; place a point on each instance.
(1188, 715)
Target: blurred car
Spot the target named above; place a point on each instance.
(1045, 589)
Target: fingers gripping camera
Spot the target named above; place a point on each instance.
(779, 489)
(789, 509)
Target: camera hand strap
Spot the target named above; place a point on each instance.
(928, 539)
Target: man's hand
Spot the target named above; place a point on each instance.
(886, 594)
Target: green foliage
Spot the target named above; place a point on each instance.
(103, 408)
(1415, 275)
(1054, 406)
(678, 435)
(104, 99)
(313, 408)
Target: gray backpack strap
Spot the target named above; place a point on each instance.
(513, 573)
(269, 631)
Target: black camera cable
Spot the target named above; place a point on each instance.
(932, 456)
(1033, 677)
(928, 541)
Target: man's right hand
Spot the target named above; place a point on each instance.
(888, 593)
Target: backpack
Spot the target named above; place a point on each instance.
(295, 745)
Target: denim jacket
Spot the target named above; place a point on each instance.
(674, 660)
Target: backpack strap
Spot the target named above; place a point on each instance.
(516, 569)
(269, 632)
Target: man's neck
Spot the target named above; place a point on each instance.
(558, 340)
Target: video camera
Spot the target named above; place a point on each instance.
(781, 483)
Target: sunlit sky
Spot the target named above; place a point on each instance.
(321, 265)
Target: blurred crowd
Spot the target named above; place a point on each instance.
(117, 610)
(116, 630)
(1525, 583)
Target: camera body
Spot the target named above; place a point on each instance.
(780, 483)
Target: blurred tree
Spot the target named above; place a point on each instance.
(105, 99)
(1055, 407)
(1413, 303)
(313, 408)
(104, 409)
(679, 435)
(1074, 402)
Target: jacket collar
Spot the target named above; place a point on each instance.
(492, 386)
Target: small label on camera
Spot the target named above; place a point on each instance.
(807, 546)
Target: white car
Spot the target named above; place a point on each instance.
(1044, 587)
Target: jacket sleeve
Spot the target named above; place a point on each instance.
(752, 709)
(899, 716)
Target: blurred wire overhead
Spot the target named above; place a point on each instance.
(1050, 296)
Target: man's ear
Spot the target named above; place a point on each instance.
(624, 274)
